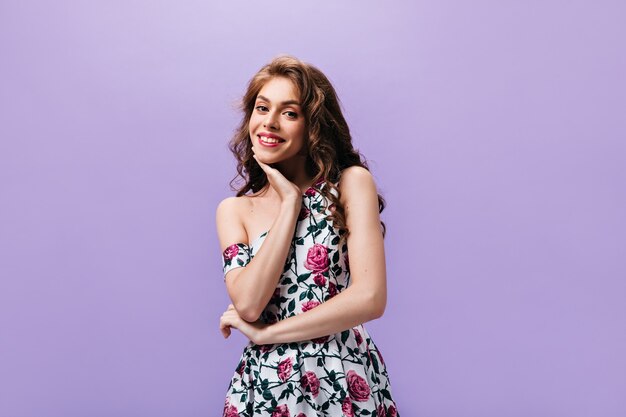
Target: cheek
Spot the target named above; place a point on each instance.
(299, 130)
(254, 120)
(252, 128)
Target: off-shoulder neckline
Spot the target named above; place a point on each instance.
(317, 185)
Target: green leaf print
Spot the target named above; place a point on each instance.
(303, 277)
(309, 378)
(375, 362)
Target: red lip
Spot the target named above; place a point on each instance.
(270, 135)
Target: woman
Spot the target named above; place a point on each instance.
(295, 294)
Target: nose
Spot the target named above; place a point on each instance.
(271, 121)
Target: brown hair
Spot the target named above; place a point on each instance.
(329, 144)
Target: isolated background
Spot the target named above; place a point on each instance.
(494, 129)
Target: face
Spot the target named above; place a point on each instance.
(277, 123)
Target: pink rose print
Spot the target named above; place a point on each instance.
(310, 192)
(276, 294)
(304, 213)
(310, 383)
(242, 365)
(230, 410)
(358, 337)
(322, 339)
(391, 411)
(309, 305)
(284, 369)
(317, 258)
(319, 182)
(346, 407)
(357, 386)
(281, 411)
(369, 355)
(380, 357)
(301, 415)
(381, 411)
(332, 289)
(319, 280)
(231, 251)
(266, 348)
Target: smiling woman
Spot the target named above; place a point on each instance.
(284, 116)
(307, 201)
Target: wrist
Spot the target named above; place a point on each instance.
(291, 206)
(265, 335)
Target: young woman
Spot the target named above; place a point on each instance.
(295, 294)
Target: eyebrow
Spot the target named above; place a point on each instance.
(260, 97)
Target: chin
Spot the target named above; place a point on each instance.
(266, 160)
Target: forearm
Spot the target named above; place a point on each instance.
(349, 308)
(252, 289)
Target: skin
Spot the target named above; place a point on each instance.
(365, 298)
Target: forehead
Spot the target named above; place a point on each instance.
(279, 89)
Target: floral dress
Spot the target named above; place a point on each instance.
(342, 374)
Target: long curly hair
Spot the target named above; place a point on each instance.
(329, 143)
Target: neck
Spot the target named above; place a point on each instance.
(294, 171)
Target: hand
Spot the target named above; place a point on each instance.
(286, 190)
(256, 331)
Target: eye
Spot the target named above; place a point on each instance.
(292, 114)
(261, 108)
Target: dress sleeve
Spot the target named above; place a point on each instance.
(235, 256)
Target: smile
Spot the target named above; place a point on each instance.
(270, 141)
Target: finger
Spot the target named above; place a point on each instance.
(225, 332)
(230, 318)
(262, 164)
(224, 327)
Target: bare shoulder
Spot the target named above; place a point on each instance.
(228, 220)
(356, 180)
(229, 207)
(359, 196)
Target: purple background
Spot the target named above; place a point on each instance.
(495, 130)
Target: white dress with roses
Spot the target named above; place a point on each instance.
(338, 375)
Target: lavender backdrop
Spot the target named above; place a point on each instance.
(495, 130)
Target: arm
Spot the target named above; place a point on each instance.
(365, 298)
(251, 287)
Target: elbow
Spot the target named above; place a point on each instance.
(248, 313)
(376, 303)
(246, 309)
(250, 316)
(378, 312)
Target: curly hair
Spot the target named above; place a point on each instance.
(329, 143)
